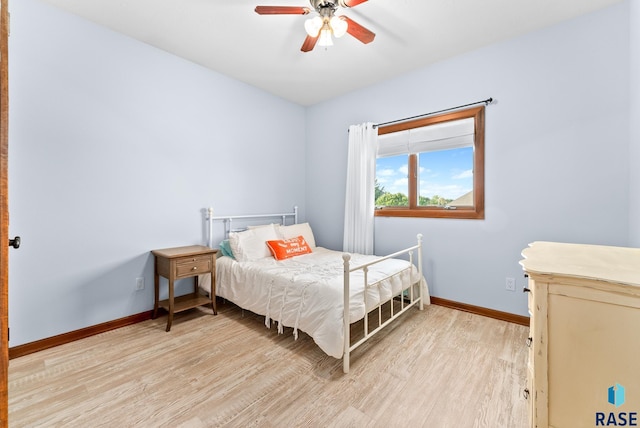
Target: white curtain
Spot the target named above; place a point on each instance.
(359, 204)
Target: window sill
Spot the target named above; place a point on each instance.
(461, 213)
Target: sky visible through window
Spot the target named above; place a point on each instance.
(446, 173)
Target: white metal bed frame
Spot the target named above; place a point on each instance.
(229, 219)
(413, 297)
(404, 306)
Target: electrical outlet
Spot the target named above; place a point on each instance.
(510, 284)
(139, 284)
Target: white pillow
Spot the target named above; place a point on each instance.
(252, 244)
(295, 230)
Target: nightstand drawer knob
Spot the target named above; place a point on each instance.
(194, 268)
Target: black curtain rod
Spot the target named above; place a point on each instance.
(486, 102)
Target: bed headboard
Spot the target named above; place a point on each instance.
(245, 219)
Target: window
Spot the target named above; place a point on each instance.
(432, 167)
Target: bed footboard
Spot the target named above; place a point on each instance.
(407, 300)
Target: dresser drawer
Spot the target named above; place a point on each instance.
(530, 303)
(531, 351)
(189, 266)
(530, 396)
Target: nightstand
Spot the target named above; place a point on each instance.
(184, 262)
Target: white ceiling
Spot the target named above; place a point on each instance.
(264, 51)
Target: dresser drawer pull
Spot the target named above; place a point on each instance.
(525, 393)
(526, 290)
(194, 268)
(529, 341)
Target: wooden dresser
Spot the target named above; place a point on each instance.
(584, 362)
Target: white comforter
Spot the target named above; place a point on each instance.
(305, 292)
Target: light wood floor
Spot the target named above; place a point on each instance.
(437, 368)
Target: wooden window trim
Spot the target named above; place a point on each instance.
(475, 212)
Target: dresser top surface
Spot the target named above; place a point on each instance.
(612, 264)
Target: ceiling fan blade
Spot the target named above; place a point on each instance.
(351, 3)
(358, 31)
(309, 43)
(282, 10)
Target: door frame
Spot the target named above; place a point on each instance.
(4, 212)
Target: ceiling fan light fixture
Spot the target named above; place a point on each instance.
(325, 37)
(339, 26)
(321, 29)
(313, 25)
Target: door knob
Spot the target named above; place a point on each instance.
(15, 242)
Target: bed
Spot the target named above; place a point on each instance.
(313, 289)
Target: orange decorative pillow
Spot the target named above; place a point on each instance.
(287, 248)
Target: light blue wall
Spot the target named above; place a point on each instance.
(634, 158)
(116, 148)
(557, 147)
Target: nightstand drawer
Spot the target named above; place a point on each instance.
(190, 266)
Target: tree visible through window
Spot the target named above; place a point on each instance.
(432, 167)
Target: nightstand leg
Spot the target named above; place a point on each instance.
(171, 297)
(156, 288)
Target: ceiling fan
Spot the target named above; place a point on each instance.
(320, 28)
